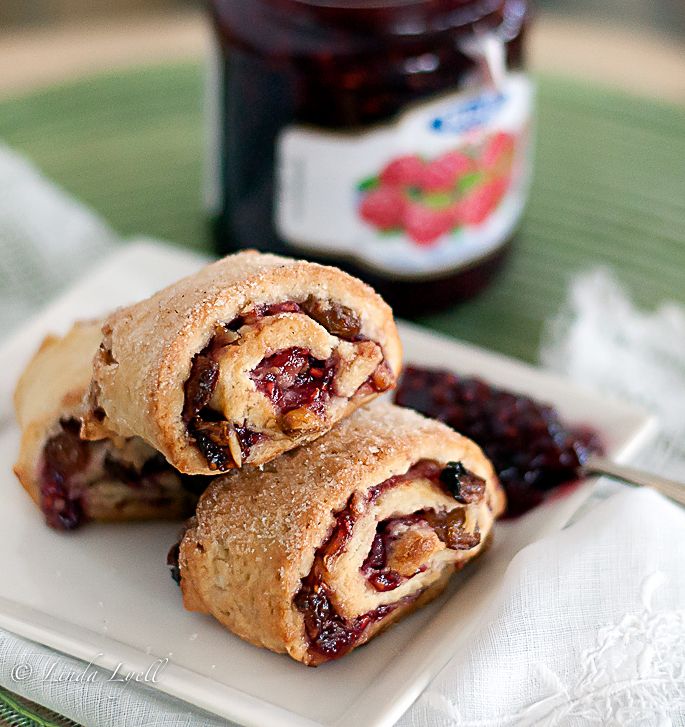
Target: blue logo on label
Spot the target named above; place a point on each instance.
(469, 114)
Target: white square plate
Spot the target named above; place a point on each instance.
(106, 589)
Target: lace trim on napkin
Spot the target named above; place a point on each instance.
(633, 675)
(600, 339)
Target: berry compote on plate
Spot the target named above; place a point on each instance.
(532, 450)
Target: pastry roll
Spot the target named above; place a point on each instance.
(320, 550)
(246, 359)
(73, 480)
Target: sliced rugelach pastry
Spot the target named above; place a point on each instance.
(322, 549)
(73, 480)
(242, 361)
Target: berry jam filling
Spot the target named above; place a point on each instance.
(375, 567)
(532, 451)
(172, 561)
(64, 456)
(330, 635)
(70, 466)
(425, 469)
(293, 378)
(296, 382)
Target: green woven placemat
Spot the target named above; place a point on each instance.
(19, 712)
(609, 186)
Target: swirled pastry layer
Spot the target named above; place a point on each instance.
(323, 548)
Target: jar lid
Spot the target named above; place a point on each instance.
(342, 27)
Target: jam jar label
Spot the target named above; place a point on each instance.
(440, 187)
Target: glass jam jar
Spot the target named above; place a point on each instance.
(388, 137)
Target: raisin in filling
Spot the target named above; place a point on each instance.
(70, 466)
(531, 449)
(465, 486)
(337, 319)
(174, 554)
(330, 635)
(222, 443)
(296, 382)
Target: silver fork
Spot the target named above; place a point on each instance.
(600, 466)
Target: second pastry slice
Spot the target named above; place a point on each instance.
(250, 357)
(72, 480)
(327, 546)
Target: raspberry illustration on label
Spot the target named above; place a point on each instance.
(428, 198)
(440, 186)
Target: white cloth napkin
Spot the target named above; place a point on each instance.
(47, 239)
(588, 627)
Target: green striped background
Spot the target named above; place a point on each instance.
(609, 186)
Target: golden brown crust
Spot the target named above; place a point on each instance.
(51, 389)
(256, 532)
(146, 359)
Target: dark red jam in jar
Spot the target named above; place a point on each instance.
(389, 137)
